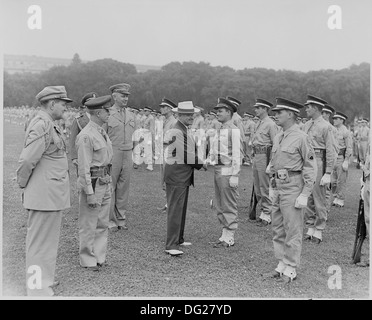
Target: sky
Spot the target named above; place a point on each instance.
(277, 34)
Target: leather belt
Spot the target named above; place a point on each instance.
(100, 172)
(290, 173)
(260, 149)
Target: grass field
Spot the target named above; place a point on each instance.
(139, 267)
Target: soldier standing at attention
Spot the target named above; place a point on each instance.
(363, 134)
(322, 140)
(339, 175)
(226, 152)
(44, 179)
(293, 167)
(94, 181)
(120, 128)
(80, 121)
(166, 107)
(262, 141)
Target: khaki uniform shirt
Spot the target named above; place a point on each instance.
(264, 132)
(292, 150)
(228, 147)
(344, 140)
(120, 128)
(43, 166)
(94, 150)
(321, 137)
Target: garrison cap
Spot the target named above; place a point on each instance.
(225, 103)
(121, 88)
(98, 103)
(250, 115)
(285, 104)
(315, 100)
(213, 113)
(167, 103)
(263, 103)
(147, 109)
(328, 108)
(339, 115)
(53, 92)
(234, 101)
(87, 97)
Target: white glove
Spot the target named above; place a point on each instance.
(362, 192)
(345, 165)
(233, 181)
(326, 179)
(301, 201)
(268, 168)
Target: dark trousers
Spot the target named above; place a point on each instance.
(177, 206)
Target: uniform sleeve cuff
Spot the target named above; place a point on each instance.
(306, 191)
(89, 190)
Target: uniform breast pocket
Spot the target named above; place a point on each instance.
(98, 145)
(289, 155)
(113, 123)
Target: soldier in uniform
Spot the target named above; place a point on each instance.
(339, 174)
(226, 152)
(249, 127)
(166, 107)
(293, 167)
(363, 134)
(120, 128)
(262, 141)
(94, 162)
(44, 179)
(322, 140)
(327, 112)
(80, 121)
(149, 133)
(179, 168)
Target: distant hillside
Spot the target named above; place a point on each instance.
(36, 64)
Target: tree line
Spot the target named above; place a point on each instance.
(347, 89)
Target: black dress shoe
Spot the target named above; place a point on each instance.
(307, 237)
(94, 268)
(100, 265)
(122, 227)
(316, 240)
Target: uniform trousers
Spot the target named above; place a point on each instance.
(363, 144)
(93, 226)
(261, 183)
(339, 177)
(43, 231)
(225, 201)
(287, 221)
(366, 203)
(121, 170)
(316, 211)
(248, 148)
(177, 197)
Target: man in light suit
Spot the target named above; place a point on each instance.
(121, 125)
(44, 179)
(180, 163)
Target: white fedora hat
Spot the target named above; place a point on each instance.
(185, 107)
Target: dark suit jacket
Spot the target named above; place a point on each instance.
(180, 160)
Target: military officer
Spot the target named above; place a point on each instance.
(362, 137)
(80, 121)
(44, 179)
(166, 107)
(339, 174)
(120, 128)
(226, 152)
(322, 140)
(293, 167)
(94, 162)
(149, 134)
(262, 141)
